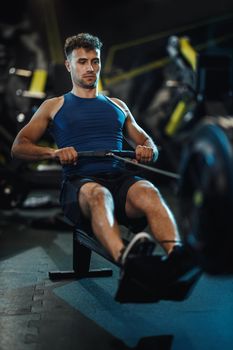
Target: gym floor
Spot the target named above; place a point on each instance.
(36, 313)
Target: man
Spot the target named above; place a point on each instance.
(101, 191)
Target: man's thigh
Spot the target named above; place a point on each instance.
(134, 219)
(69, 199)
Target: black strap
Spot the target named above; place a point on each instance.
(171, 241)
(146, 167)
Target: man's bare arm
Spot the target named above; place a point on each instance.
(145, 148)
(25, 144)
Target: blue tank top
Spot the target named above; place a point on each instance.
(89, 124)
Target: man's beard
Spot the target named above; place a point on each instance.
(84, 85)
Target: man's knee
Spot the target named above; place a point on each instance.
(142, 197)
(93, 194)
(143, 194)
(100, 195)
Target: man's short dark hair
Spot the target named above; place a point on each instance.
(82, 40)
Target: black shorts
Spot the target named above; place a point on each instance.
(117, 184)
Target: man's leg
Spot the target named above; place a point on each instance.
(144, 199)
(96, 203)
(166, 278)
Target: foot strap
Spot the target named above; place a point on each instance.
(171, 241)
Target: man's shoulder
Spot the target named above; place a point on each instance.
(116, 100)
(53, 104)
(120, 104)
(54, 100)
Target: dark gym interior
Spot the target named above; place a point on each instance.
(172, 63)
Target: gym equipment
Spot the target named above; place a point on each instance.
(12, 190)
(196, 84)
(123, 155)
(206, 195)
(22, 91)
(17, 180)
(83, 245)
(154, 278)
(130, 289)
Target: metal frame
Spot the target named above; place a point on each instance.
(83, 245)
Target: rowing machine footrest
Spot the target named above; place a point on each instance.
(144, 281)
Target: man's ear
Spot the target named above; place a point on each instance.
(67, 64)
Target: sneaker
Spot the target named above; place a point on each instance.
(141, 245)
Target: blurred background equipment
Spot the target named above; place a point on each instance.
(197, 84)
(206, 194)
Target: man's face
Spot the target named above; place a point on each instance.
(84, 67)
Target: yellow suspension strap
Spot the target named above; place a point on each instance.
(176, 118)
(188, 52)
(37, 85)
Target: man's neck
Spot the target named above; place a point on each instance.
(85, 93)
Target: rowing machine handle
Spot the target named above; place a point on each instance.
(107, 153)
